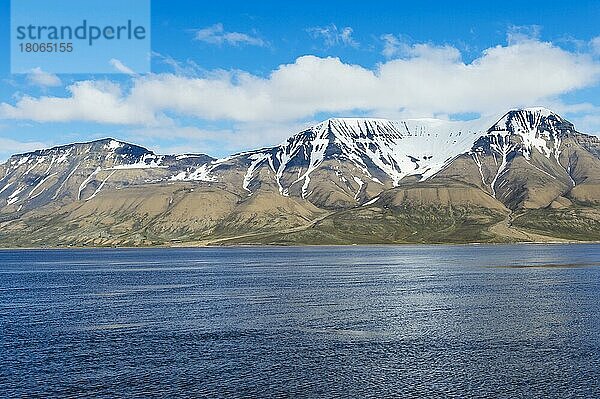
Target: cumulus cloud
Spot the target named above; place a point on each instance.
(38, 77)
(93, 101)
(393, 46)
(332, 36)
(595, 45)
(216, 34)
(429, 80)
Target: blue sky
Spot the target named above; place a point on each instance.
(229, 76)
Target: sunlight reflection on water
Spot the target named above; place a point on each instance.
(414, 321)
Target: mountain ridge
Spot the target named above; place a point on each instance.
(481, 181)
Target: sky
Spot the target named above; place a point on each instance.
(229, 76)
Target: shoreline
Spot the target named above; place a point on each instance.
(302, 246)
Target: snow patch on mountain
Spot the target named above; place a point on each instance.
(539, 129)
(403, 148)
(199, 174)
(113, 145)
(87, 180)
(257, 159)
(146, 161)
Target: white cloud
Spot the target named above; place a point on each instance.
(9, 147)
(120, 67)
(589, 123)
(187, 68)
(520, 33)
(399, 47)
(93, 101)
(595, 45)
(216, 141)
(216, 34)
(332, 36)
(428, 81)
(393, 46)
(40, 78)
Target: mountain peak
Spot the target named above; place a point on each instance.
(525, 130)
(535, 120)
(105, 146)
(378, 150)
(545, 112)
(345, 119)
(362, 128)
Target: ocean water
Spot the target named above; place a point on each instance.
(317, 322)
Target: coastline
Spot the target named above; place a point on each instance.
(474, 244)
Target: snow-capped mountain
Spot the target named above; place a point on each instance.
(538, 128)
(355, 157)
(78, 172)
(341, 162)
(525, 133)
(530, 158)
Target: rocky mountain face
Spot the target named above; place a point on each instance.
(344, 180)
(78, 172)
(531, 159)
(345, 162)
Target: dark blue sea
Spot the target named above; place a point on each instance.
(503, 321)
